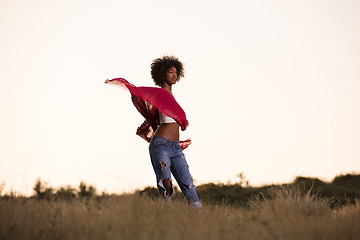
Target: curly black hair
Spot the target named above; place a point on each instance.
(160, 66)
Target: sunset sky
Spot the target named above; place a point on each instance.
(271, 89)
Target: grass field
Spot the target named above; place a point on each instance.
(283, 213)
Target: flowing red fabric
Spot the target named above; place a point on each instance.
(148, 101)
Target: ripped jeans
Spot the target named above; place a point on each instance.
(166, 158)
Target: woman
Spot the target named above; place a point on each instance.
(165, 150)
(163, 117)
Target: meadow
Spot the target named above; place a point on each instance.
(276, 212)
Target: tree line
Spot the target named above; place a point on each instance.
(342, 190)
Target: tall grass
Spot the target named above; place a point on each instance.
(283, 213)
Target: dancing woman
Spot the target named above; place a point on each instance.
(163, 117)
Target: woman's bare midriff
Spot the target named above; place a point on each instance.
(169, 131)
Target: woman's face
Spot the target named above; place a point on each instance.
(171, 76)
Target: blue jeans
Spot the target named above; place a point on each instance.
(166, 158)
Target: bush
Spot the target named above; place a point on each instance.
(86, 191)
(306, 183)
(67, 193)
(42, 191)
(350, 180)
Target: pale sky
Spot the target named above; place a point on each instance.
(271, 89)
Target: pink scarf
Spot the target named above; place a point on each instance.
(148, 101)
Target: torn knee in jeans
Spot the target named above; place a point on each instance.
(166, 184)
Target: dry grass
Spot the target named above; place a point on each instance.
(286, 214)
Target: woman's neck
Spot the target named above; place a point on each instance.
(167, 87)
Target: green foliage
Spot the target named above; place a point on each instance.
(11, 196)
(220, 193)
(350, 180)
(343, 190)
(306, 183)
(86, 191)
(42, 191)
(67, 193)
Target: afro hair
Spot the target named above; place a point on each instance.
(160, 66)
